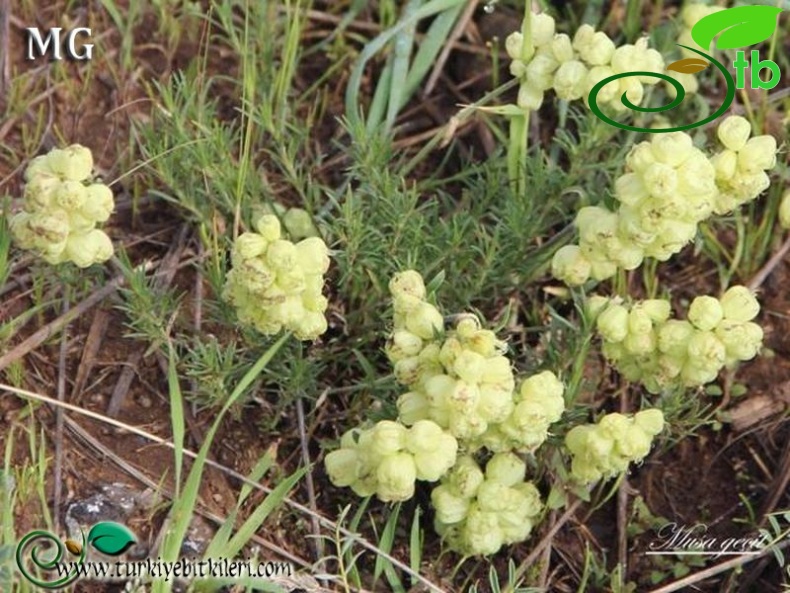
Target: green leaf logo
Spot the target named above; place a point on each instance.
(739, 26)
(110, 538)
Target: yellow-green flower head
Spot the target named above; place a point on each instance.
(571, 266)
(88, 248)
(434, 450)
(276, 284)
(546, 390)
(705, 312)
(734, 131)
(74, 163)
(61, 211)
(605, 449)
(413, 407)
(395, 477)
(505, 468)
(465, 477)
(450, 507)
(407, 283)
(739, 304)
(342, 466)
(742, 340)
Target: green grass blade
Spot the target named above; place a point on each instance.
(404, 41)
(183, 507)
(177, 415)
(254, 521)
(222, 537)
(372, 48)
(415, 545)
(430, 47)
(386, 542)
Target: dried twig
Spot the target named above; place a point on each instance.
(462, 23)
(319, 544)
(49, 330)
(766, 270)
(64, 343)
(544, 542)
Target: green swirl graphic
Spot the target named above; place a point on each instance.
(681, 94)
(42, 564)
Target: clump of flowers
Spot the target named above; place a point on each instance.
(386, 459)
(463, 404)
(478, 513)
(62, 206)
(605, 449)
(276, 284)
(669, 187)
(646, 345)
(572, 67)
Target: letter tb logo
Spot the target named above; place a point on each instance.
(757, 65)
(38, 46)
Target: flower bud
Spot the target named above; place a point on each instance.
(758, 154)
(570, 80)
(342, 466)
(545, 389)
(469, 366)
(706, 350)
(600, 50)
(299, 224)
(389, 437)
(73, 163)
(725, 163)
(433, 464)
(742, 340)
(673, 337)
(542, 29)
(608, 92)
(40, 191)
(506, 469)
(530, 97)
(248, 246)
(93, 247)
(629, 189)
(403, 344)
(268, 226)
(613, 323)
(450, 508)
(739, 304)
(412, 407)
(395, 476)
(734, 131)
(650, 420)
(465, 477)
(312, 256)
(705, 312)
(425, 321)
(570, 266)
(513, 44)
(562, 48)
(672, 149)
(482, 534)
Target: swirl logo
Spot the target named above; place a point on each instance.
(736, 27)
(47, 553)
